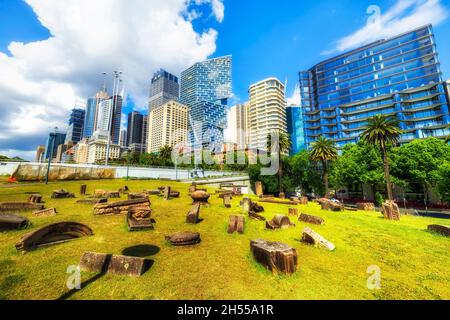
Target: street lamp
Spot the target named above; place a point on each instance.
(50, 155)
(117, 82)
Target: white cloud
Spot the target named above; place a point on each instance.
(218, 8)
(295, 99)
(401, 17)
(39, 81)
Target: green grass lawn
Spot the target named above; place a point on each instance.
(415, 264)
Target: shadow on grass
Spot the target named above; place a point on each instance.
(141, 251)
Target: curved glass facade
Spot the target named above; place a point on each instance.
(398, 76)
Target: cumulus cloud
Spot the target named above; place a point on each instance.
(39, 81)
(218, 8)
(401, 17)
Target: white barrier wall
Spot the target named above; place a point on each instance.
(7, 168)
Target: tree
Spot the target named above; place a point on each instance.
(165, 154)
(383, 131)
(323, 150)
(283, 147)
(304, 173)
(419, 162)
(359, 164)
(444, 181)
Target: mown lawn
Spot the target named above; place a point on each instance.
(414, 263)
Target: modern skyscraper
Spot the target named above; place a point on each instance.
(296, 128)
(168, 125)
(448, 92)
(109, 113)
(145, 132)
(267, 111)
(123, 138)
(164, 88)
(398, 77)
(89, 117)
(76, 124)
(53, 141)
(117, 118)
(99, 97)
(205, 89)
(237, 127)
(134, 130)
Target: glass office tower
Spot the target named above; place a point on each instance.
(296, 129)
(76, 124)
(205, 89)
(89, 119)
(396, 77)
(164, 88)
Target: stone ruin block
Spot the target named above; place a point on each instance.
(53, 234)
(120, 207)
(19, 206)
(133, 196)
(92, 201)
(366, 206)
(12, 222)
(282, 196)
(113, 264)
(390, 210)
(443, 230)
(259, 188)
(275, 256)
(62, 194)
(106, 194)
(311, 237)
(227, 201)
(303, 200)
(293, 211)
(331, 206)
(184, 238)
(166, 192)
(124, 190)
(139, 218)
(35, 198)
(236, 224)
(192, 216)
(279, 222)
(200, 197)
(311, 219)
(45, 213)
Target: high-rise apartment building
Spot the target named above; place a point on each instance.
(168, 126)
(205, 89)
(135, 126)
(164, 88)
(398, 77)
(296, 128)
(237, 127)
(267, 111)
(99, 97)
(53, 141)
(76, 124)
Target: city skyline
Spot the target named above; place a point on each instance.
(332, 42)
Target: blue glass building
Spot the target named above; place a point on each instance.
(205, 89)
(53, 141)
(398, 77)
(296, 129)
(89, 119)
(76, 124)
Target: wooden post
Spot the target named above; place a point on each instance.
(166, 192)
(83, 188)
(259, 188)
(227, 201)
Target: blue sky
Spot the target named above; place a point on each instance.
(265, 37)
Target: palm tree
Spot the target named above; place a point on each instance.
(283, 147)
(165, 153)
(324, 150)
(382, 131)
